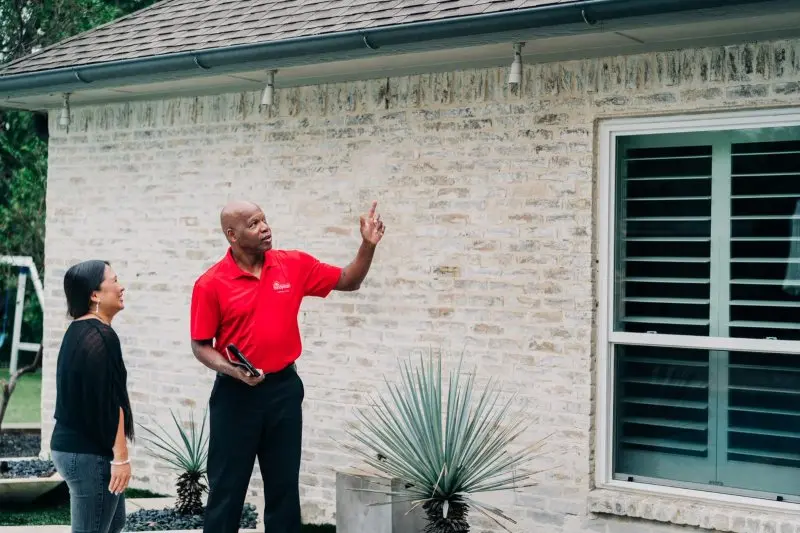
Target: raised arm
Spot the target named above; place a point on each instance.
(372, 230)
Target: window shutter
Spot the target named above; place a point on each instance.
(765, 240)
(763, 423)
(664, 239)
(708, 243)
(664, 279)
(663, 414)
(762, 430)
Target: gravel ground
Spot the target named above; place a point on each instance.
(18, 444)
(30, 468)
(168, 519)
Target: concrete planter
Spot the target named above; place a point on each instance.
(25, 490)
(355, 512)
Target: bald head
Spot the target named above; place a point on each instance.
(245, 227)
(235, 212)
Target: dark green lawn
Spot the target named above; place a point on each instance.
(35, 516)
(53, 509)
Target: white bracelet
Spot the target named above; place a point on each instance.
(120, 463)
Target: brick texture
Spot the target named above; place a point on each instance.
(490, 249)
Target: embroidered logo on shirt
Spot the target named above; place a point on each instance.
(281, 287)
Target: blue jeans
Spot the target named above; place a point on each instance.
(93, 508)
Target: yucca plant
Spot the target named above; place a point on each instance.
(188, 454)
(444, 454)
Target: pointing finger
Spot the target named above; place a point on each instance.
(372, 209)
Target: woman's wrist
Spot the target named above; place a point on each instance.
(116, 462)
(120, 455)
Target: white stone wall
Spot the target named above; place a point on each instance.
(490, 247)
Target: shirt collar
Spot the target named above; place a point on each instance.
(233, 270)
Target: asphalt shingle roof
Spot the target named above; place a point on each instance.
(190, 25)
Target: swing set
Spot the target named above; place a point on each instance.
(25, 267)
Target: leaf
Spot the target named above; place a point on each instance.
(188, 453)
(443, 452)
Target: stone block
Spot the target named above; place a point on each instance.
(25, 490)
(360, 509)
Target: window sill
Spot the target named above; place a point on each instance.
(689, 511)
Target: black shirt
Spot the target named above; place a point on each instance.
(89, 375)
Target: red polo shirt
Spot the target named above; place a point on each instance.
(259, 316)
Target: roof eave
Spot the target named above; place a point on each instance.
(360, 43)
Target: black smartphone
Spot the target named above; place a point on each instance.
(242, 361)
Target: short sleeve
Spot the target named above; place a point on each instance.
(319, 278)
(205, 316)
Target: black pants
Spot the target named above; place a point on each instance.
(264, 421)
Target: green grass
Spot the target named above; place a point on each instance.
(50, 509)
(142, 493)
(53, 508)
(53, 516)
(25, 404)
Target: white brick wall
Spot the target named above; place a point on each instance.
(488, 199)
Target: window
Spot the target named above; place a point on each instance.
(703, 307)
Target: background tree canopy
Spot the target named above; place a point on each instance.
(27, 26)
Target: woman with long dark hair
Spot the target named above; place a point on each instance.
(93, 413)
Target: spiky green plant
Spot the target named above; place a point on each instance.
(444, 454)
(188, 454)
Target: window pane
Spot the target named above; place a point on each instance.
(763, 423)
(765, 239)
(708, 243)
(664, 239)
(663, 412)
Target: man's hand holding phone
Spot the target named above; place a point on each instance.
(243, 370)
(243, 375)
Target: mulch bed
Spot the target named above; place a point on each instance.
(169, 519)
(26, 469)
(19, 444)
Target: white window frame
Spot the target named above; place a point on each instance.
(608, 132)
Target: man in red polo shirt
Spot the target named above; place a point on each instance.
(251, 299)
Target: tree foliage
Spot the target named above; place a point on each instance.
(27, 26)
